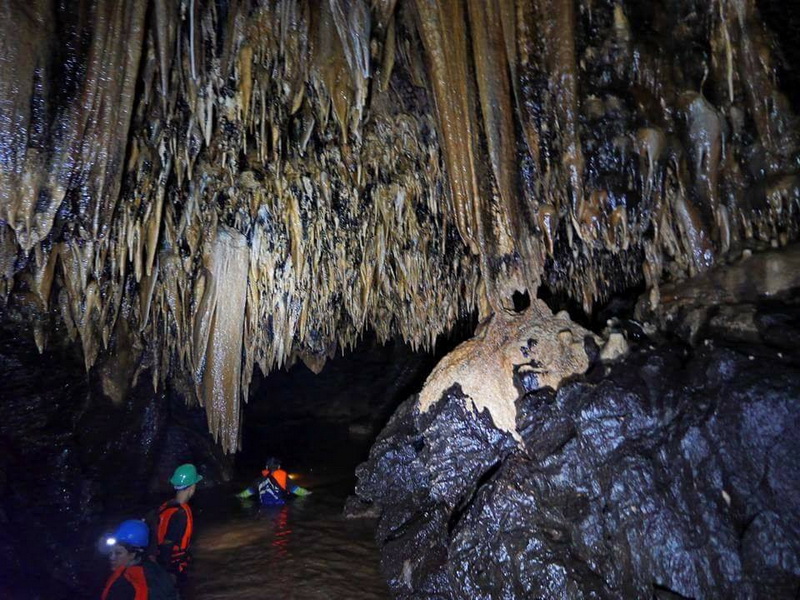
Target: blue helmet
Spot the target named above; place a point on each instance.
(132, 532)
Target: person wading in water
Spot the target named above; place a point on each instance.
(134, 576)
(273, 487)
(176, 524)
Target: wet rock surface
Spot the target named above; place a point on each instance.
(723, 302)
(670, 473)
(244, 183)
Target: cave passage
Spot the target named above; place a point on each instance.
(204, 203)
(321, 427)
(62, 490)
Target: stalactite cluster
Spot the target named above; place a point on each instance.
(247, 182)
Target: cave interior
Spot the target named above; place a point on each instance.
(514, 281)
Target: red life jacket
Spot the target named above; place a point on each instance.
(279, 475)
(134, 576)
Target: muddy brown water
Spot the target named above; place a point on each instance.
(304, 549)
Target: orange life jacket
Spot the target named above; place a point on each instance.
(279, 475)
(135, 576)
(179, 552)
(165, 513)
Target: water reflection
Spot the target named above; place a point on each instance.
(304, 549)
(280, 540)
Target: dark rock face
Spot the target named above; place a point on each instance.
(672, 473)
(71, 460)
(423, 472)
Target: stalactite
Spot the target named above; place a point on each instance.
(248, 183)
(219, 326)
(442, 27)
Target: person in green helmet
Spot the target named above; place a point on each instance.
(176, 524)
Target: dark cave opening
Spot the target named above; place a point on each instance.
(618, 307)
(322, 425)
(300, 415)
(521, 300)
(783, 19)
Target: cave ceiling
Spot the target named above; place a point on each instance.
(214, 185)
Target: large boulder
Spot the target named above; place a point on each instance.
(670, 473)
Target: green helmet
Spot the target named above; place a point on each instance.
(184, 476)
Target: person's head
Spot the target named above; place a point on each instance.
(128, 543)
(185, 480)
(125, 555)
(273, 463)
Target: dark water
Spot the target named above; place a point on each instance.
(305, 549)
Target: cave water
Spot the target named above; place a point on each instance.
(532, 263)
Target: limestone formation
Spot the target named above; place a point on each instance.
(372, 165)
(510, 354)
(670, 473)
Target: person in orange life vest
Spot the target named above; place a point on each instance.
(176, 524)
(274, 486)
(133, 576)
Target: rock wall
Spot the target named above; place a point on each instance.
(669, 473)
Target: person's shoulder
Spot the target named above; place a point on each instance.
(171, 503)
(153, 569)
(159, 582)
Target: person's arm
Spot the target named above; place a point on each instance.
(160, 582)
(246, 493)
(298, 491)
(251, 490)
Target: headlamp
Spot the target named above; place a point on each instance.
(111, 541)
